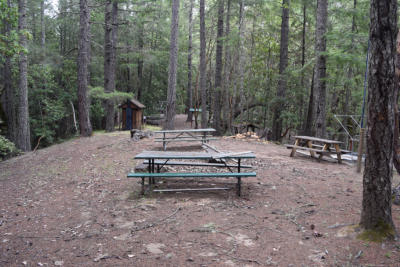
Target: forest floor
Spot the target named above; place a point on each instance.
(71, 205)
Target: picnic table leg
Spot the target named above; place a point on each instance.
(164, 142)
(324, 148)
(142, 192)
(338, 153)
(153, 181)
(312, 153)
(239, 180)
(296, 143)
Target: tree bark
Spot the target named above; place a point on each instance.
(173, 62)
(140, 61)
(110, 43)
(320, 69)
(227, 65)
(241, 58)
(350, 69)
(83, 72)
(303, 60)
(218, 69)
(203, 89)
(396, 135)
(23, 141)
(42, 26)
(307, 130)
(282, 83)
(189, 92)
(377, 180)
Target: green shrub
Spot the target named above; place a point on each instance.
(7, 148)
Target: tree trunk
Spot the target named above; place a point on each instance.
(227, 65)
(140, 62)
(110, 41)
(320, 69)
(23, 140)
(303, 60)
(350, 69)
(173, 62)
(218, 69)
(377, 180)
(307, 130)
(282, 83)
(83, 72)
(189, 92)
(241, 58)
(203, 89)
(396, 136)
(42, 26)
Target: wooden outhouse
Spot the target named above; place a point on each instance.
(132, 114)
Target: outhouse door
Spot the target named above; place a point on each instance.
(128, 118)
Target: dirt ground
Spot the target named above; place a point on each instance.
(72, 205)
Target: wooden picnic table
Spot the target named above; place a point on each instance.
(316, 145)
(186, 135)
(154, 157)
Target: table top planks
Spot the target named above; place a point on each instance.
(191, 155)
(316, 139)
(187, 131)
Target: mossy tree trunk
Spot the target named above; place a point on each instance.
(377, 180)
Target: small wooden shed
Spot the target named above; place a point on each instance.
(132, 114)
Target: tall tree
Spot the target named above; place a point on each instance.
(42, 25)
(203, 89)
(218, 69)
(83, 72)
(23, 141)
(110, 43)
(173, 63)
(283, 63)
(320, 69)
(227, 65)
(241, 59)
(377, 202)
(303, 59)
(189, 92)
(140, 81)
(347, 86)
(396, 134)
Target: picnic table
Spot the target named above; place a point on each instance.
(316, 145)
(161, 158)
(185, 135)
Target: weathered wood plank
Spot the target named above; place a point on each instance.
(316, 139)
(191, 175)
(182, 163)
(186, 155)
(187, 131)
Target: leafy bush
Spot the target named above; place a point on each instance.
(7, 148)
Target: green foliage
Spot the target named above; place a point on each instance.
(7, 148)
(117, 96)
(47, 105)
(8, 42)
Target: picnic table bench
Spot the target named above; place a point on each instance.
(185, 135)
(159, 158)
(316, 145)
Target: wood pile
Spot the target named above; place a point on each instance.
(248, 136)
(136, 134)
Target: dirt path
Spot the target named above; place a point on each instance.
(71, 205)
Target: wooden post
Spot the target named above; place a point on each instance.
(360, 149)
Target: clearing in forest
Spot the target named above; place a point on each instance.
(71, 204)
